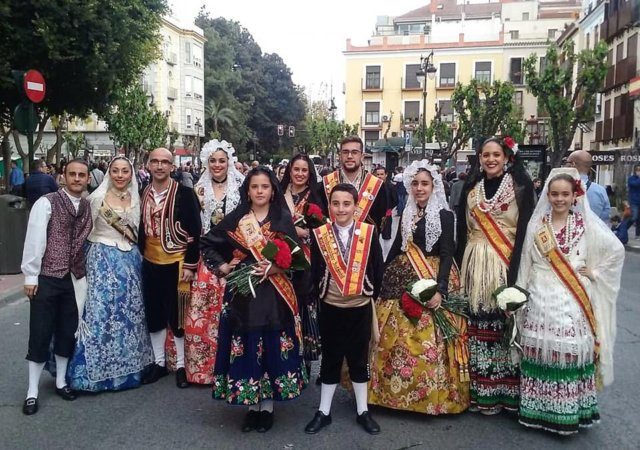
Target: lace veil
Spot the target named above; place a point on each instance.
(605, 257)
(97, 197)
(234, 180)
(437, 201)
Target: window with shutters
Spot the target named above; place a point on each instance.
(517, 98)
(411, 76)
(445, 108)
(515, 71)
(370, 138)
(411, 112)
(372, 113)
(447, 74)
(483, 71)
(372, 80)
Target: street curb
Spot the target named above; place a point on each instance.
(632, 249)
(11, 295)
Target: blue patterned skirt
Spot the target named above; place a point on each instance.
(114, 345)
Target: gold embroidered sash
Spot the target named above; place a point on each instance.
(494, 234)
(255, 242)
(366, 196)
(419, 262)
(546, 244)
(348, 275)
(114, 220)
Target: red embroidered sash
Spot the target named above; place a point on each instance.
(494, 234)
(366, 196)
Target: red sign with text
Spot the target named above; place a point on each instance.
(34, 86)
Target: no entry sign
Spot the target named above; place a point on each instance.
(34, 86)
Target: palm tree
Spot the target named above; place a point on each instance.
(219, 115)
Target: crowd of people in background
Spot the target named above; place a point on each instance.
(147, 282)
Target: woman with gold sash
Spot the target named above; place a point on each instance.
(300, 185)
(259, 357)
(414, 368)
(113, 344)
(492, 223)
(571, 265)
(218, 191)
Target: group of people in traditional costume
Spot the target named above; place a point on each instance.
(124, 288)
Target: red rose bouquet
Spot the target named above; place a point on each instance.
(284, 253)
(311, 216)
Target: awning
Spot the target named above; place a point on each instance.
(181, 151)
(391, 145)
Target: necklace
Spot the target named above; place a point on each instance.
(119, 195)
(219, 182)
(418, 217)
(566, 244)
(485, 205)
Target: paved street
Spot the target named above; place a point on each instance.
(162, 416)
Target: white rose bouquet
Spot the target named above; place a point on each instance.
(423, 289)
(510, 299)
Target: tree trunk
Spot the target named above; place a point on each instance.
(6, 155)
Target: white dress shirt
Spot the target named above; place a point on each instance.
(344, 234)
(35, 242)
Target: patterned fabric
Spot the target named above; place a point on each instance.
(66, 234)
(114, 347)
(257, 365)
(494, 377)
(558, 399)
(201, 327)
(414, 368)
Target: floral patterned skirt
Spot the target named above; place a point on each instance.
(201, 323)
(495, 378)
(558, 399)
(414, 368)
(257, 365)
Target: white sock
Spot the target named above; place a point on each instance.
(157, 342)
(360, 389)
(35, 370)
(266, 405)
(61, 371)
(179, 342)
(255, 407)
(326, 397)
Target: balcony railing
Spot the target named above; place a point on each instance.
(371, 124)
(411, 86)
(172, 93)
(616, 22)
(625, 70)
(172, 59)
(372, 86)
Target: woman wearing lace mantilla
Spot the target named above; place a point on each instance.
(113, 344)
(571, 265)
(218, 191)
(492, 222)
(414, 368)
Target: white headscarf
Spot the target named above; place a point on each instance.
(234, 180)
(97, 197)
(437, 201)
(605, 257)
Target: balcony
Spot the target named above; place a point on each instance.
(372, 85)
(625, 70)
(615, 22)
(410, 85)
(371, 123)
(172, 59)
(446, 83)
(599, 131)
(609, 81)
(409, 123)
(172, 93)
(606, 129)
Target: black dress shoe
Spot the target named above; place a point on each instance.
(250, 422)
(30, 406)
(154, 373)
(181, 378)
(66, 393)
(318, 422)
(318, 381)
(367, 422)
(265, 422)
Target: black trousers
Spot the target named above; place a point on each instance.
(53, 313)
(345, 333)
(160, 293)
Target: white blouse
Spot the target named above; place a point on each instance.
(103, 233)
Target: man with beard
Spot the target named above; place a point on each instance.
(168, 239)
(372, 198)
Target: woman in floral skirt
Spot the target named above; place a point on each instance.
(414, 367)
(492, 222)
(259, 357)
(571, 265)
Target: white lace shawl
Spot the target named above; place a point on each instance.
(97, 197)
(605, 257)
(234, 181)
(437, 202)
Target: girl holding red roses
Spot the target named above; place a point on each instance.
(252, 367)
(498, 199)
(299, 185)
(414, 367)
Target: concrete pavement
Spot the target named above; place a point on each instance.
(163, 416)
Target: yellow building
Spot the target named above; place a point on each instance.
(478, 39)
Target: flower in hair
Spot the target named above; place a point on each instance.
(578, 187)
(511, 144)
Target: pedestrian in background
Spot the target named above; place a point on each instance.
(16, 180)
(53, 264)
(455, 194)
(39, 182)
(400, 190)
(596, 193)
(633, 184)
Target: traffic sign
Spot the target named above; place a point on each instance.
(34, 86)
(25, 118)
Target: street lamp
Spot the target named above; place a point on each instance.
(197, 125)
(427, 69)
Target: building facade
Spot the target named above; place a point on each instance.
(470, 39)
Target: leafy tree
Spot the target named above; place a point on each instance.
(569, 99)
(480, 110)
(135, 124)
(218, 114)
(86, 50)
(76, 143)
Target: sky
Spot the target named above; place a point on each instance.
(310, 36)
